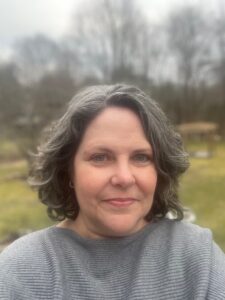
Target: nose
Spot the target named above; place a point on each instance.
(123, 175)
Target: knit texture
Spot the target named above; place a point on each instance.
(165, 260)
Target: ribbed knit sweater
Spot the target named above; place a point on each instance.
(165, 260)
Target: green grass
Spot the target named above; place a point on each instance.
(20, 209)
(202, 189)
(13, 169)
(8, 150)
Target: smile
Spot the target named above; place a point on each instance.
(120, 202)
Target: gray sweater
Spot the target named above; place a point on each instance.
(165, 260)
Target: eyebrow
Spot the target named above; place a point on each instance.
(143, 150)
(105, 149)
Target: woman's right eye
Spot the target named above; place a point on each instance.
(101, 157)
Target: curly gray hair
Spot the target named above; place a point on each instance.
(51, 170)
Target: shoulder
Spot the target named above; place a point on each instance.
(26, 240)
(185, 242)
(183, 233)
(24, 250)
(193, 241)
(189, 232)
(22, 262)
(189, 252)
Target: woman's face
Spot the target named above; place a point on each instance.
(114, 175)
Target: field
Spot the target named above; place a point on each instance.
(20, 210)
(202, 189)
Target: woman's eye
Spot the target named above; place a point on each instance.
(142, 158)
(99, 157)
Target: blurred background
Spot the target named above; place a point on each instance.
(172, 49)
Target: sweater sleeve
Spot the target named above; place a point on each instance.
(216, 288)
(4, 291)
(11, 287)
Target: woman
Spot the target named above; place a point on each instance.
(108, 172)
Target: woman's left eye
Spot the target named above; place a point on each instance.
(142, 157)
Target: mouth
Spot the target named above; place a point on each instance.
(120, 202)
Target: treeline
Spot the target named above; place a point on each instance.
(180, 61)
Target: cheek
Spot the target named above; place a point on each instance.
(88, 182)
(148, 181)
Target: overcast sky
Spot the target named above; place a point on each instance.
(20, 18)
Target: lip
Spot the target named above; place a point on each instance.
(120, 202)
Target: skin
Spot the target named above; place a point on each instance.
(113, 160)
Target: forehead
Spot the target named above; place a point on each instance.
(115, 125)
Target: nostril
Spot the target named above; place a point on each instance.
(123, 180)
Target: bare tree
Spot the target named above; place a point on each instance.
(34, 57)
(51, 94)
(112, 38)
(220, 38)
(11, 100)
(189, 42)
(42, 67)
(219, 65)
